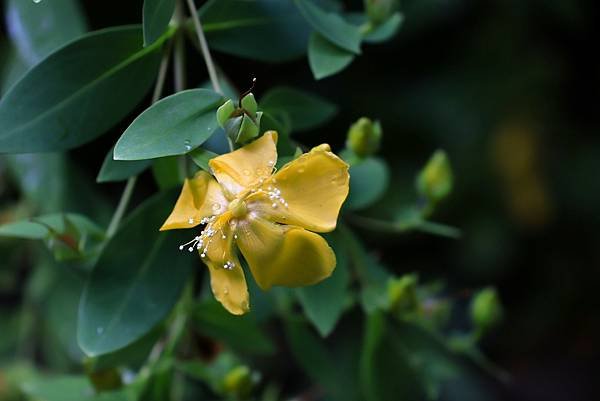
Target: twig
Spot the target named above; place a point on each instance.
(126, 195)
(210, 66)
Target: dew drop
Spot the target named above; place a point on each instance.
(187, 144)
(100, 329)
(216, 207)
(37, 1)
(246, 172)
(225, 290)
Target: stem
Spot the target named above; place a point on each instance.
(210, 66)
(116, 219)
(403, 227)
(126, 195)
(179, 77)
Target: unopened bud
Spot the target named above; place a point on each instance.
(249, 104)
(402, 293)
(435, 179)
(239, 381)
(364, 137)
(379, 11)
(486, 309)
(224, 112)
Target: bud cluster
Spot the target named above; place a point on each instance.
(241, 122)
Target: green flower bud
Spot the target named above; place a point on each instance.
(249, 104)
(248, 130)
(486, 309)
(364, 137)
(224, 112)
(435, 179)
(379, 11)
(239, 381)
(402, 293)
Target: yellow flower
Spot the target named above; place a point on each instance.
(269, 215)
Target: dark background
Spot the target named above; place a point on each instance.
(509, 88)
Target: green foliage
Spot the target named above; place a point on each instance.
(38, 28)
(303, 110)
(331, 26)
(124, 296)
(369, 179)
(172, 126)
(156, 16)
(114, 302)
(75, 84)
(325, 302)
(212, 320)
(265, 30)
(119, 170)
(325, 58)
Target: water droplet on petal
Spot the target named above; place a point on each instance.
(246, 172)
(225, 290)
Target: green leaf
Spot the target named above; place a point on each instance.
(305, 110)
(69, 98)
(156, 17)
(325, 58)
(382, 354)
(386, 30)
(59, 305)
(125, 295)
(167, 172)
(331, 26)
(201, 157)
(264, 30)
(12, 68)
(172, 126)
(324, 303)
(38, 28)
(214, 321)
(369, 180)
(119, 170)
(312, 355)
(42, 226)
(133, 356)
(68, 388)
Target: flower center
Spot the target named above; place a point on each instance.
(238, 208)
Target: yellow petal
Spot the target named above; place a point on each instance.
(226, 275)
(247, 165)
(200, 197)
(312, 190)
(284, 255)
(229, 287)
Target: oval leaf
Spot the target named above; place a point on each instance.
(172, 126)
(118, 170)
(78, 92)
(38, 28)
(369, 180)
(304, 110)
(324, 302)
(157, 14)
(135, 283)
(331, 25)
(325, 58)
(265, 30)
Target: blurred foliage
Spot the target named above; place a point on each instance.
(477, 113)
